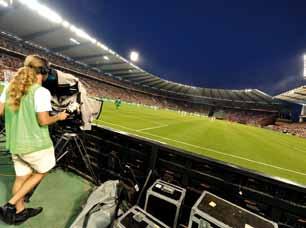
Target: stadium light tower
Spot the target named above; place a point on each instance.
(134, 56)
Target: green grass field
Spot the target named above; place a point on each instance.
(266, 151)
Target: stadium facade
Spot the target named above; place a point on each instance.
(296, 100)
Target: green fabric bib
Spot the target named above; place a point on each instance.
(23, 132)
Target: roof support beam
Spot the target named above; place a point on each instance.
(67, 47)
(175, 88)
(172, 86)
(35, 35)
(166, 87)
(140, 78)
(186, 89)
(262, 97)
(144, 80)
(120, 70)
(293, 98)
(300, 93)
(132, 75)
(160, 81)
(147, 82)
(127, 73)
(250, 97)
(239, 96)
(180, 89)
(228, 94)
(154, 80)
(106, 64)
(85, 57)
(219, 94)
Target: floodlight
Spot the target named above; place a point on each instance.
(81, 33)
(74, 41)
(102, 46)
(111, 51)
(3, 3)
(134, 56)
(66, 24)
(105, 57)
(42, 10)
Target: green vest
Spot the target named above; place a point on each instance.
(23, 132)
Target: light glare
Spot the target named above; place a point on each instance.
(42, 10)
(3, 3)
(134, 56)
(66, 24)
(74, 41)
(81, 33)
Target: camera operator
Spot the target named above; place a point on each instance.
(26, 105)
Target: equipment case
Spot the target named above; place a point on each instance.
(164, 201)
(138, 218)
(211, 211)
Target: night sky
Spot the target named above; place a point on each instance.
(230, 44)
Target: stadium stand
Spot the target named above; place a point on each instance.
(273, 198)
(297, 98)
(298, 129)
(256, 104)
(297, 95)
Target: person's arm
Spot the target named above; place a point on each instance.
(2, 101)
(42, 100)
(45, 119)
(1, 109)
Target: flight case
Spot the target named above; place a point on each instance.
(138, 218)
(211, 211)
(164, 201)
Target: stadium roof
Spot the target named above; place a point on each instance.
(297, 95)
(39, 26)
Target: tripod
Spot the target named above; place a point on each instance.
(70, 139)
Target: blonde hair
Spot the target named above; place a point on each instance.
(24, 79)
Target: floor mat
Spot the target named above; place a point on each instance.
(61, 194)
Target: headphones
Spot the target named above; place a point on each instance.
(44, 70)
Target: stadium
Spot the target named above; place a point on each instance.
(243, 145)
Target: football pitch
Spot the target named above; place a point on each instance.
(272, 153)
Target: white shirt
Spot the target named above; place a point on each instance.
(42, 99)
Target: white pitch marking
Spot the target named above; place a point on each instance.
(212, 150)
(164, 125)
(151, 128)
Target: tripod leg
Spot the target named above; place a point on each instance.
(83, 153)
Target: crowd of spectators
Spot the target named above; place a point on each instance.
(9, 62)
(107, 87)
(13, 44)
(101, 89)
(298, 129)
(251, 117)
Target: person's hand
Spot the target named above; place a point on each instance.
(62, 115)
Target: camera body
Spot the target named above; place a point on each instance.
(68, 94)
